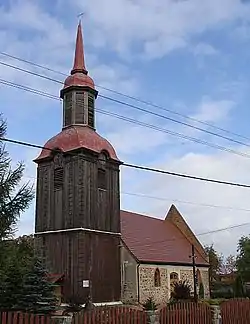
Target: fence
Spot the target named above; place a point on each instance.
(186, 313)
(112, 315)
(115, 315)
(235, 311)
(20, 318)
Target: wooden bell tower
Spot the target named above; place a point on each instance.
(77, 229)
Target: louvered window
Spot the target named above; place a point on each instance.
(91, 117)
(58, 178)
(79, 113)
(102, 180)
(68, 109)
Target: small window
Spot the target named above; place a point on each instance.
(157, 278)
(58, 178)
(102, 181)
(173, 279)
(68, 109)
(91, 117)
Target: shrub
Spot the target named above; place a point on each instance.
(150, 304)
(181, 290)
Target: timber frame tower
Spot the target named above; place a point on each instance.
(77, 226)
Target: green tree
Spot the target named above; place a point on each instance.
(201, 291)
(37, 294)
(215, 262)
(17, 257)
(15, 198)
(243, 258)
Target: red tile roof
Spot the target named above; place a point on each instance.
(155, 240)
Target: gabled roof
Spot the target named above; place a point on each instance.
(155, 240)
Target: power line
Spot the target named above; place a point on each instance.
(131, 106)
(139, 167)
(174, 120)
(199, 234)
(140, 195)
(131, 97)
(130, 120)
(173, 200)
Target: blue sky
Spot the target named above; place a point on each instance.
(189, 57)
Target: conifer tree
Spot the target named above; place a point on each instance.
(37, 295)
(15, 198)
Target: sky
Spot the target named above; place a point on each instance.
(189, 58)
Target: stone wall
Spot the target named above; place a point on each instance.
(132, 272)
(162, 294)
(147, 287)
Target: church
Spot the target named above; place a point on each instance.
(100, 252)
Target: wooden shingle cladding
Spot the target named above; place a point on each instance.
(80, 204)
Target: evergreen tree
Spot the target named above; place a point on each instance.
(37, 295)
(201, 291)
(14, 199)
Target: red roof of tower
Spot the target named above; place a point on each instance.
(75, 137)
(79, 74)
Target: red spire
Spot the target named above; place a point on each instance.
(79, 63)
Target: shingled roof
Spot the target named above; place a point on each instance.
(167, 241)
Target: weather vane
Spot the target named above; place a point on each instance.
(80, 15)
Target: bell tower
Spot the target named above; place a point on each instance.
(77, 227)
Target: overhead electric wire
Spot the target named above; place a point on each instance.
(130, 120)
(199, 234)
(130, 97)
(141, 195)
(139, 167)
(129, 105)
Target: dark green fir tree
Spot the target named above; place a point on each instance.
(38, 293)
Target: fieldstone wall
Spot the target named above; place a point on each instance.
(162, 294)
(188, 276)
(147, 287)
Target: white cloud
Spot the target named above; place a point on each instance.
(161, 26)
(204, 49)
(213, 110)
(220, 166)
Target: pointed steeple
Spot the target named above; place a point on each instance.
(79, 61)
(79, 91)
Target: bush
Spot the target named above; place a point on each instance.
(150, 304)
(181, 290)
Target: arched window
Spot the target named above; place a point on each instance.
(157, 278)
(173, 279)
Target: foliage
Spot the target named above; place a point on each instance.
(215, 302)
(229, 265)
(150, 304)
(37, 295)
(15, 198)
(201, 291)
(243, 258)
(15, 258)
(215, 262)
(221, 290)
(239, 290)
(181, 290)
